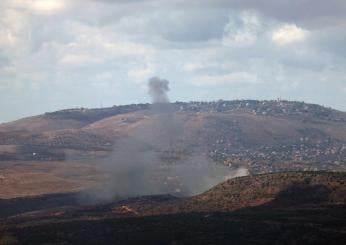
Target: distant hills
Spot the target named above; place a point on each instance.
(262, 136)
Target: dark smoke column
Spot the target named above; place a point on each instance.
(158, 89)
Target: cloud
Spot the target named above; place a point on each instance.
(53, 50)
(141, 74)
(39, 7)
(243, 33)
(77, 59)
(13, 26)
(289, 33)
(320, 13)
(48, 6)
(191, 67)
(226, 79)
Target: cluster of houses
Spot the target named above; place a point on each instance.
(266, 108)
(326, 155)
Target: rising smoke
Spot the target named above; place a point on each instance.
(158, 89)
(154, 159)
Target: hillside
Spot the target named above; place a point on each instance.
(290, 189)
(262, 136)
(281, 208)
(277, 190)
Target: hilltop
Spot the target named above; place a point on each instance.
(262, 136)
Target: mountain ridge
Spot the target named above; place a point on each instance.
(245, 133)
(94, 114)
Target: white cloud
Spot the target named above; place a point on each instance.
(227, 79)
(191, 67)
(91, 45)
(77, 59)
(244, 35)
(141, 74)
(40, 7)
(289, 33)
(105, 42)
(13, 26)
(48, 6)
(126, 48)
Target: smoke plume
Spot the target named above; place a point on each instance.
(155, 159)
(158, 89)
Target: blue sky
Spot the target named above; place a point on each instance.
(91, 53)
